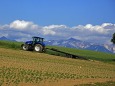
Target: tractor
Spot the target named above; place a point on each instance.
(37, 45)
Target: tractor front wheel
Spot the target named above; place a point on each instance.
(38, 48)
(25, 47)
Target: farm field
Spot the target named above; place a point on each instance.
(25, 68)
(88, 54)
(28, 68)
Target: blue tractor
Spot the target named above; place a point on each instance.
(37, 45)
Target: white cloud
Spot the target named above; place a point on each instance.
(53, 29)
(107, 24)
(22, 25)
(98, 33)
(91, 28)
(55, 26)
(19, 29)
(22, 30)
(48, 31)
(88, 26)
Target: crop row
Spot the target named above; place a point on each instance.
(18, 75)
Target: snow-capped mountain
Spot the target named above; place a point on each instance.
(110, 47)
(74, 43)
(100, 48)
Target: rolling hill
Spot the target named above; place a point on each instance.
(28, 68)
(88, 54)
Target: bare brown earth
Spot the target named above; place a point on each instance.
(95, 71)
(76, 82)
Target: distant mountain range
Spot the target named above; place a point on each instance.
(74, 43)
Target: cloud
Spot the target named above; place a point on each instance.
(19, 29)
(23, 30)
(55, 26)
(98, 33)
(22, 25)
(53, 29)
(90, 28)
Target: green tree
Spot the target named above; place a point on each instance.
(113, 39)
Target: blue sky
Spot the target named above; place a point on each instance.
(68, 12)
(87, 20)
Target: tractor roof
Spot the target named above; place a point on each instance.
(37, 37)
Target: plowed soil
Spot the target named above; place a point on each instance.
(62, 71)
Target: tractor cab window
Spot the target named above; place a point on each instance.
(37, 39)
(41, 39)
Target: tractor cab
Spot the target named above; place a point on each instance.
(37, 40)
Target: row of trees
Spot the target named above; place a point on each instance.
(113, 39)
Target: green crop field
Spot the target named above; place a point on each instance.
(93, 55)
(28, 68)
(10, 44)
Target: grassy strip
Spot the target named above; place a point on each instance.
(93, 55)
(10, 44)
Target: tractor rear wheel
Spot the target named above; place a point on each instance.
(25, 47)
(38, 48)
